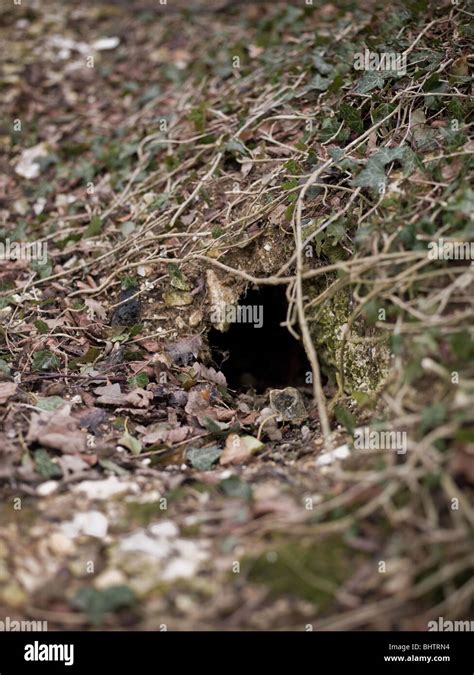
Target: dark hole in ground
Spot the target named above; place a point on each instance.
(260, 357)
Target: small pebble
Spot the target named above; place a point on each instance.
(47, 488)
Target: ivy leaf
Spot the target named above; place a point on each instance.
(96, 603)
(386, 155)
(464, 202)
(203, 458)
(373, 175)
(329, 128)
(382, 111)
(371, 80)
(319, 82)
(352, 117)
(410, 161)
(236, 487)
(321, 65)
(44, 269)
(462, 345)
(371, 310)
(337, 231)
(44, 360)
(347, 163)
(4, 302)
(215, 427)
(140, 380)
(50, 403)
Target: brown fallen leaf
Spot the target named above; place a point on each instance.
(151, 346)
(198, 401)
(140, 398)
(91, 418)
(462, 463)
(277, 216)
(185, 350)
(57, 430)
(250, 418)
(450, 171)
(95, 309)
(210, 374)
(239, 449)
(166, 435)
(222, 414)
(7, 390)
(278, 505)
(110, 394)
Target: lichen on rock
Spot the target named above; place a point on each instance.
(356, 357)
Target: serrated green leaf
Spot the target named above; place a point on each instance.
(45, 466)
(42, 327)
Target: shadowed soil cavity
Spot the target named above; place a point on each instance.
(257, 351)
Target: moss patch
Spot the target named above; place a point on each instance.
(311, 571)
(359, 363)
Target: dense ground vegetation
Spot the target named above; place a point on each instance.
(169, 159)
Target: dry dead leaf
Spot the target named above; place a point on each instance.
(140, 398)
(166, 435)
(95, 309)
(110, 394)
(239, 449)
(182, 351)
(462, 463)
(7, 390)
(198, 401)
(210, 374)
(57, 430)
